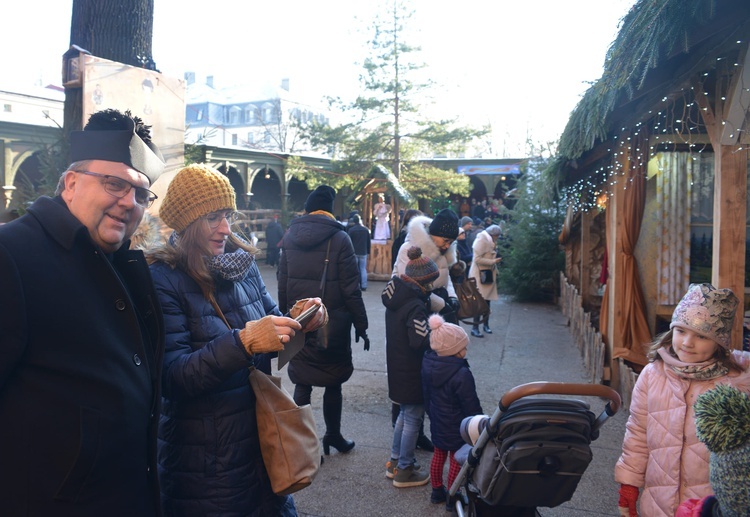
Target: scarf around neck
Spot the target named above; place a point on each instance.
(232, 266)
(706, 370)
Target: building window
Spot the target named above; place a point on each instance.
(251, 138)
(268, 113)
(234, 115)
(7, 108)
(234, 139)
(199, 115)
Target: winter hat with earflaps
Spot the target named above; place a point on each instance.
(722, 423)
(708, 311)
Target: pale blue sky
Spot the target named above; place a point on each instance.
(519, 65)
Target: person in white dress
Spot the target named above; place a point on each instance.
(382, 212)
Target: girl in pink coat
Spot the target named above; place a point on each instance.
(660, 453)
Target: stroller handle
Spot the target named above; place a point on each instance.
(562, 388)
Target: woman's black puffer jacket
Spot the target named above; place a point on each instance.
(326, 358)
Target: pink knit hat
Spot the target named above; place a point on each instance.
(446, 338)
(707, 311)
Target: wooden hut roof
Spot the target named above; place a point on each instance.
(661, 46)
(380, 179)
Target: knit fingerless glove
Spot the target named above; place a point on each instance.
(260, 337)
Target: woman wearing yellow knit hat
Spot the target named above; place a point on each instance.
(219, 319)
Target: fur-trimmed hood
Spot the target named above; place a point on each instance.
(418, 234)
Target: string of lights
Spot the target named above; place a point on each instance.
(678, 124)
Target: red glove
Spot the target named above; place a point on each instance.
(628, 498)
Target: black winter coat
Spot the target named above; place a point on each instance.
(209, 454)
(407, 337)
(81, 344)
(360, 237)
(397, 243)
(450, 395)
(326, 358)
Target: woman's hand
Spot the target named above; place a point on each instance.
(268, 334)
(318, 320)
(285, 328)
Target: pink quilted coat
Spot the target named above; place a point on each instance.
(660, 450)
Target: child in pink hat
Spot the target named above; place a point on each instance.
(450, 395)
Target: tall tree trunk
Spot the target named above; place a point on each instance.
(118, 30)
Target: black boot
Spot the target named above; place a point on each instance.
(425, 443)
(332, 407)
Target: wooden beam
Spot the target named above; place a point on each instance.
(738, 100)
(586, 219)
(730, 216)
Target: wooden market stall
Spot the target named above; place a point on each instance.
(380, 181)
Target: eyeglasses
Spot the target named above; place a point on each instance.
(214, 219)
(119, 188)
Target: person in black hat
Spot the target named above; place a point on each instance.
(361, 241)
(81, 335)
(318, 260)
(436, 237)
(274, 233)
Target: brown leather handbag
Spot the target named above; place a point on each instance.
(288, 435)
(470, 301)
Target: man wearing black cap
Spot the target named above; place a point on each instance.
(318, 261)
(437, 239)
(81, 336)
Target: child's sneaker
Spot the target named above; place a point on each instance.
(438, 495)
(409, 476)
(393, 463)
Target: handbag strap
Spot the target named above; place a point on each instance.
(218, 310)
(325, 271)
(221, 315)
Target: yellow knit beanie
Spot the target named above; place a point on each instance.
(195, 191)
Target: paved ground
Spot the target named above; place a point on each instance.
(530, 342)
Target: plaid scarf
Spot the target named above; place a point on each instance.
(231, 266)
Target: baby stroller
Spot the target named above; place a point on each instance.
(531, 452)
